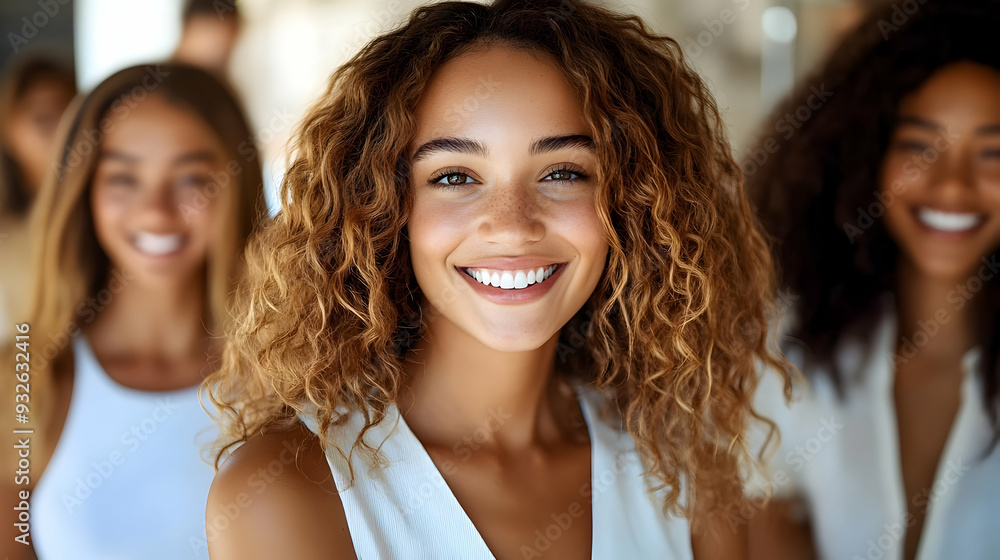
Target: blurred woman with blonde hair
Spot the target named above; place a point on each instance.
(138, 240)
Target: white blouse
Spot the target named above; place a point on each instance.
(406, 510)
(841, 457)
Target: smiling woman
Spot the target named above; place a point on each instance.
(889, 240)
(498, 321)
(138, 231)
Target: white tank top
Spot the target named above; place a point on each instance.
(406, 510)
(126, 480)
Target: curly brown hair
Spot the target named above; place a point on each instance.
(677, 325)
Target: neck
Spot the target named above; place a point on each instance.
(933, 307)
(145, 319)
(456, 386)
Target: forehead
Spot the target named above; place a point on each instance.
(498, 91)
(966, 90)
(157, 129)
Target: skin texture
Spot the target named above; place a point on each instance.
(955, 115)
(477, 357)
(144, 176)
(30, 128)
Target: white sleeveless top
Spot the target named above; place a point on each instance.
(126, 480)
(406, 510)
(840, 456)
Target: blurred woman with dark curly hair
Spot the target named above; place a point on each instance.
(517, 287)
(886, 210)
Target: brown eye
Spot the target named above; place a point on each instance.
(564, 176)
(452, 179)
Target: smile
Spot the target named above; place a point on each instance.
(511, 279)
(951, 222)
(157, 245)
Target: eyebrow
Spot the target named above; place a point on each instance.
(923, 123)
(202, 155)
(920, 123)
(115, 154)
(476, 148)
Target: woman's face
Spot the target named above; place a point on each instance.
(29, 131)
(943, 170)
(155, 191)
(504, 234)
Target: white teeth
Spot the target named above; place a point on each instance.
(153, 244)
(510, 279)
(948, 221)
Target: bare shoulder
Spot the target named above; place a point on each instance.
(274, 497)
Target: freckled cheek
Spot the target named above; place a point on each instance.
(435, 229)
(580, 223)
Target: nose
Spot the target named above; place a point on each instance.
(952, 177)
(158, 203)
(512, 216)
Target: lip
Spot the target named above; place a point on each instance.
(512, 263)
(941, 234)
(532, 293)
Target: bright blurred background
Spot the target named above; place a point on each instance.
(749, 51)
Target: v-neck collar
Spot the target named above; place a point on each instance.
(452, 502)
(958, 444)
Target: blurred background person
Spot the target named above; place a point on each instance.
(885, 207)
(34, 92)
(137, 242)
(209, 31)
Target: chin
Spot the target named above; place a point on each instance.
(513, 342)
(947, 269)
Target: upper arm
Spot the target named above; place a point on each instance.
(267, 503)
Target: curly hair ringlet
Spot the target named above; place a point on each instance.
(677, 327)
